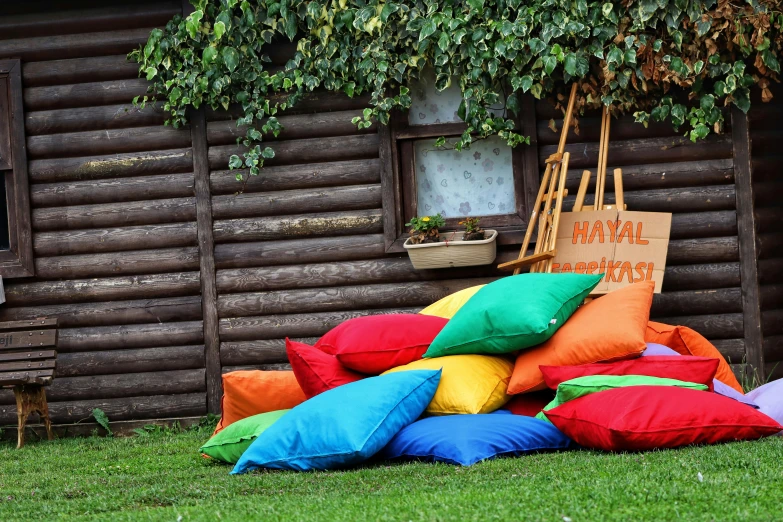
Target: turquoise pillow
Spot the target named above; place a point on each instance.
(231, 442)
(513, 313)
(343, 426)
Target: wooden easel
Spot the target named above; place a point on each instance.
(552, 188)
(600, 182)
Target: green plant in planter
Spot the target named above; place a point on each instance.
(473, 230)
(425, 229)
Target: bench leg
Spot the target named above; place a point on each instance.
(31, 399)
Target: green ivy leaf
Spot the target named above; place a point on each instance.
(209, 55)
(427, 29)
(770, 61)
(230, 58)
(151, 72)
(550, 62)
(220, 29)
(193, 22)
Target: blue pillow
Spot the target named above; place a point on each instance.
(467, 439)
(343, 426)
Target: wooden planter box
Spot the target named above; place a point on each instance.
(453, 253)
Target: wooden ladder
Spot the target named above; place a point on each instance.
(552, 188)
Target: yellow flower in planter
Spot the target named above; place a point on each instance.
(425, 218)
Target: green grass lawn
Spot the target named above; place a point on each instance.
(160, 476)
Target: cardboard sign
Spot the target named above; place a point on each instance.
(627, 246)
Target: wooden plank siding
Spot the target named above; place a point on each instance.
(113, 218)
(125, 255)
(767, 184)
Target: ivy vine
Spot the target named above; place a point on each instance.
(675, 60)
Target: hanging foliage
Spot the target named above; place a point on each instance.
(648, 57)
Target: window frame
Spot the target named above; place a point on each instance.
(398, 177)
(18, 260)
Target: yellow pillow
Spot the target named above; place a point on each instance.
(449, 305)
(468, 384)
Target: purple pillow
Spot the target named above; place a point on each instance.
(769, 397)
(720, 387)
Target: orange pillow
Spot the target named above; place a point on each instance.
(609, 328)
(250, 392)
(685, 341)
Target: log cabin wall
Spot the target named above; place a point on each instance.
(149, 319)
(767, 163)
(113, 217)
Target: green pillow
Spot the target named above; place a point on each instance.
(581, 386)
(232, 441)
(513, 313)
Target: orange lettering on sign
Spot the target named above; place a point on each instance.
(598, 229)
(626, 269)
(639, 240)
(592, 266)
(650, 271)
(612, 229)
(611, 266)
(580, 230)
(626, 231)
(580, 267)
(555, 267)
(566, 268)
(640, 270)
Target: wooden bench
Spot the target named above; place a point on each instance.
(27, 362)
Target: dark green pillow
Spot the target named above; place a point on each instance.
(513, 313)
(231, 442)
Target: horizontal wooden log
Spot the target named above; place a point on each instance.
(46, 22)
(770, 245)
(125, 428)
(271, 367)
(713, 326)
(92, 119)
(365, 271)
(140, 188)
(768, 193)
(315, 101)
(646, 151)
(766, 168)
(111, 166)
(105, 289)
(182, 405)
(40, 322)
(130, 336)
(305, 225)
(167, 309)
(295, 251)
(771, 296)
(83, 94)
(707, 250)
(79, 70)
(590, 130)
(267, 351)
(119, 239)
(690, 199)
(313, 150)
(288, 177)
(314, 300)
(294, 325)
(731, 349)
(692, 302)
(770, 271)
(356, 197)
(126, 213)
(74, 45)
(772, 322)
(295, 127)
(139, 262)
(130, 361)
(662, 175)
(127, 385)
(701, 277)
(690, 225)
(26, 365)
(27, 355)
(107, 141)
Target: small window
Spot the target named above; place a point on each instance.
(490, 180)
(16, 252)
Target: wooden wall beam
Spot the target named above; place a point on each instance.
(746, 227)
(206, 246)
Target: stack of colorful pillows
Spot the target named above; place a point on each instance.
(512, 367)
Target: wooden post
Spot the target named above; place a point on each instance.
(746, 233)
(206, 250)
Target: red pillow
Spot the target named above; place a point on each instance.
(315, 370)
(375, 343)
(650, 417)
(529, 404)
(700, 370)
